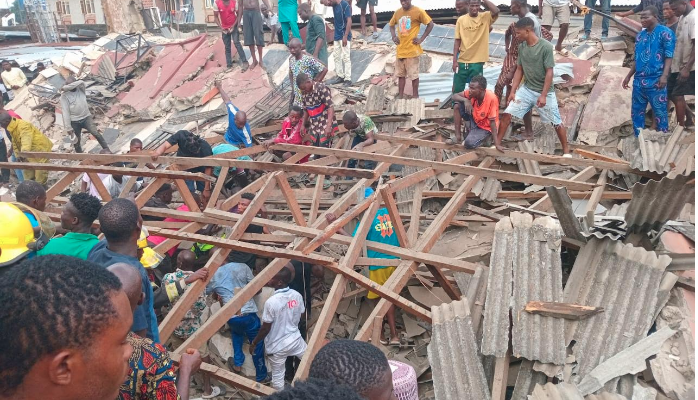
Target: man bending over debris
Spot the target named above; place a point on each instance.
(290, 134)
(190, 145)
(151, 372)
(381, 231)
(654, 50)
(408, 20)
(317, 103)
(228, 279)
(77, 217)
(238, 132)
(253, 28)
(535, 64)
(479, 108)
(282, 338)
(26, 137)
(76, 113)
(362, 128)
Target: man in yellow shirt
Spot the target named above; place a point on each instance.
(26, 137)
(471, 47)
(12, 77)
(409, 19)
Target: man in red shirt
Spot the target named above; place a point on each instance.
(479, 108)
(227, 16)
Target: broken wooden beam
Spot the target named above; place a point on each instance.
(573, 312)
(108, 170)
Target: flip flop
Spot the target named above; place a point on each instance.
(391, 343)
(215, 392)
(520, 138)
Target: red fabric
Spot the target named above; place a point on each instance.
(227, 13)
(13, 114)
(156, 240)
(292, 135)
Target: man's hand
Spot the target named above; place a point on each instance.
(328, 130)
(541, 101)
(540, 12)
(585, 10)
(684, 74)
(455, 67)
(468, 106)
(330, 217)
(344, 42)
(511, 97)
(190, 361)
(416, 40)
(626, 83)
(396, 40)
(154, 156)
(15, 87)
(253, 346)
(662, 82)
(267, 143)
(499, 147)
(201, 274)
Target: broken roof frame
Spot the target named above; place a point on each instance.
(308, 233)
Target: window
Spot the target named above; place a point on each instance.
(63, 8)
(88, 6)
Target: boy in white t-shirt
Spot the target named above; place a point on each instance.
(282, 338)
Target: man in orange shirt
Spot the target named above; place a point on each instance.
(479, 108)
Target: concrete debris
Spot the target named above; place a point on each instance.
(606, 96)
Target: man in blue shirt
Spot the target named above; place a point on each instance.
(342, 41)
(238, 132)
(121, 223)
(654, 50)
(225, 282)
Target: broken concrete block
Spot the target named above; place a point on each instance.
(612, 59)
(585, 51)
(614, 43)
(598, 125)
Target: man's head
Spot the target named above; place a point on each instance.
(192, 143)
(6, 65)
(295, 46)
(406, 4)
(461, 7)
(350, 120)
(357, 364)
(649, 17)
(63, 331)
(80, 212)
(478, 87)
(264, 9)
(244, 202)
(667, 12)
(519, 7)
(474, 8)
(131, 283)
(304, 11)
(5, 119)
(32, 194)
(281, 279)
(165, 193)
(120, 221)
(679, 7)
(186, 260)
(40, 67)
(316, 389)
(240, 119)
(135, 145)
(304, 83)
(524, 28)
(70, 79)
(296, 113)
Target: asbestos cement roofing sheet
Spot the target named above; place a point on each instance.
(657, 202)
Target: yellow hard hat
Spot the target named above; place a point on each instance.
(143, 239)
(16, 234)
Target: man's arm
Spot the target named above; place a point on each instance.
(493, 126)
(427, 31)
(5, 82)
(518, 75)
(318, 44)
(224, 95)
(217, 18)
(263, 332)
(546, 87)
(685, 71)
(160, 150)
(330, 119)
(189, 364)
(330, 217)
(396, 40)
(319, 77)
(540, 8)
(25, 139)
(347, 29)
(665, 73)
(492, 9)
(456, 49)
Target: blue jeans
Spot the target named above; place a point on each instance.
(18, 172)
(605, 8)
(352, 162)
(195, 185)
(248, 325)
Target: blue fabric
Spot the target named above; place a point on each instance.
(606, 9)
(225, 148)
(235, 135)
(341, 11)
(381, 231)
(652, 48)
(193, 186)
(144, 316)
(248, 325)
(228, 277)
(31, 219)
(18, 172)
(655, 97)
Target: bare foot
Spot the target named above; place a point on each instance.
(245, 66)
(363, 32)
(261, 64)
(254, 64)
(558, 47)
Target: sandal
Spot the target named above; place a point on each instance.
(215, 392)
(390, 343)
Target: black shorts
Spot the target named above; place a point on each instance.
(252, 28)
(676, 88)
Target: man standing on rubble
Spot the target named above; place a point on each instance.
(76, 113)
(12, 77)
(26, 137)
(227, 16)
(408, 20)
(682, 81)
(535, 65)
(471, 47)
(342, 41)
(549, 10)
(315, 39)
(654, 50)
(253, 28)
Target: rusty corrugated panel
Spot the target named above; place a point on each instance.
(528, 252)
(622, 279)
(456, 368)
(657, 202)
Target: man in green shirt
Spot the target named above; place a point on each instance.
(315, 39)
(77, 218)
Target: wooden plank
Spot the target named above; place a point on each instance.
(443, 166)
(446, 285)
(187, 300)
(501, 374)
(379, 262)
(186, 195)
(686, 283)
(508, 194)
(222, 176)
(60, 185)
(600, 157)
(165, 246)
(485, 213)
(410, 180)
(107, 170)
(144, 195)
(130, 183)
(544, 204)
(573, 312)
(99, 186)
(292, 203)
(413, 232)
(253, 208)
(395, 219)
(234, 380)
(595, 197)
(317, 195)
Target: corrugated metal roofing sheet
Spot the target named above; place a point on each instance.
(657, 202)
(567, 391)
(456, 368)
(622, 279)
(528, 251)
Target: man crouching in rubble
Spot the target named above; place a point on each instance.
(479, 108)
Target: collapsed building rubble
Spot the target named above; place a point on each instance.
(483, 233)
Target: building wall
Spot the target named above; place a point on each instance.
(76, 15)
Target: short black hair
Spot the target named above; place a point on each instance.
(349, 116)
(316, 389)
(358, 364)
(247, 196)
(524, 22)
(652, 10)
(28, 191)
(164, 188)
(136, 141)
(301, 79)
(5, 118)
(87, 207)
(520, 2)
(40, 64)
(192, 142)
(118, 219)
(296, 108)
(480, 80)
(284, 275)
(50, 303)
(678, 1)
